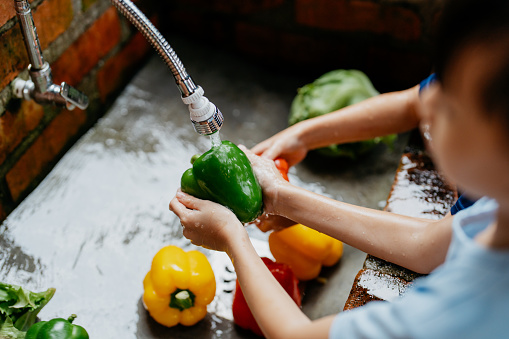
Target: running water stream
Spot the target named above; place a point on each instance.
(215, 140)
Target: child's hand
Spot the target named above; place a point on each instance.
(285, 144)
(271, 222)
(204, 222)
(268, 176)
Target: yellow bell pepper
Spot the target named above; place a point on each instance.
(304, 250)
(178, 287)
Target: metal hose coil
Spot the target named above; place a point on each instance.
(163, 48)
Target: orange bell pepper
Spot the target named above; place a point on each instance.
(282, 166)
(178, 287)
(305, 250)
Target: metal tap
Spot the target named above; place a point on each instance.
(40, 87)
(205, 116)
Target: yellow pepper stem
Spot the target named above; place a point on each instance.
(182, 299)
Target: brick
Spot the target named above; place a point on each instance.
(13, 55)
(291, 49)
(359, 16)
(203, 5)
(86, 4)
(118, 69)
(257, 41)
(316, 53)
(44, 151)
(6, 11)
(14, 126)
(212, 28)
(3, 213)
(52, 18)
(230, 7)
(84, 54)
(246, 6)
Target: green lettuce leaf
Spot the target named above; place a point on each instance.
(330, 92)
(8, 331)
(19, 308)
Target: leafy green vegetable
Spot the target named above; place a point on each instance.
(8, 331)
(19, 308)
(330, 92)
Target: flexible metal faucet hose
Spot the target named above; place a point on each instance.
(205, 116)
(163, 48)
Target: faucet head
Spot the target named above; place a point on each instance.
(211, 125)
(205, 116)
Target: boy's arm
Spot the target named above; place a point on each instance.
(275, 312)
(417, 244)
(213, 226)
(384, 114)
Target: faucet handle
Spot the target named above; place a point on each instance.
(73, 97)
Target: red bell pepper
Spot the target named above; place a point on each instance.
(242, 315)
(282, 166)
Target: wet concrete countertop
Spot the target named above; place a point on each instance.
(93, 225)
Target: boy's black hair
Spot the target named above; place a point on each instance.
(465, 22)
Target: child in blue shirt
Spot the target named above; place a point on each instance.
(465, 295)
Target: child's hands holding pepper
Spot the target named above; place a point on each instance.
(269, 178)
(211, 225)
(206, 223)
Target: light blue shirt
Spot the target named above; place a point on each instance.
(466, 297)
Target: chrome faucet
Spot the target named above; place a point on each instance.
(205, 116)
(40, 87)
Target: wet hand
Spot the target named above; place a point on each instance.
(286, 144)
(271, 222)
(268, 176)
(206, 223)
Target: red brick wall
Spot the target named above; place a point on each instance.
(387, 39)
(93, 48)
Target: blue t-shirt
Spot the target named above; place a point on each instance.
(462, 203)
(466, 297)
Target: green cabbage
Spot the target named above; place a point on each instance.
(330, 92)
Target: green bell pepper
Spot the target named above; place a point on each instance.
(224, 175)
(57, 328)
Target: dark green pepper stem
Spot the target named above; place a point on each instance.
(194, 158)
(182, 299)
